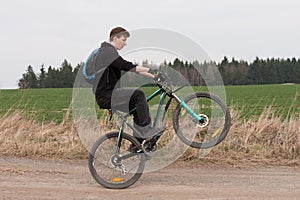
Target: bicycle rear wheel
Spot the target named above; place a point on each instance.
(214, 124)
(108, 165)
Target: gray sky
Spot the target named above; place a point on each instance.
(36, 32)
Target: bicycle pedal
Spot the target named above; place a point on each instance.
(154, 148)
(148, 148)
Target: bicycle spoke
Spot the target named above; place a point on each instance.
(214, 123)
(109, 167)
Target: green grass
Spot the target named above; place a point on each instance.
(252, 100)
(45, 105)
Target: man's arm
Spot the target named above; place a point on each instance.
(144, 71)
(129, 66)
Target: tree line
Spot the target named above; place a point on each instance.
(62, 77)
(260, 71)
(233, 72)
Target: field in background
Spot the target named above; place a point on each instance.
(252, 100)
(42, 105)
(51, 105)
(265, 125)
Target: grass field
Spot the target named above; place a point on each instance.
(37, 126)
(43, 105)
(252, 100)
(51, 105)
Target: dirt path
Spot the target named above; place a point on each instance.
(40, 179)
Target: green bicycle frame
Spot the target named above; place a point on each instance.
(163, 95)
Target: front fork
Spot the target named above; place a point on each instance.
(201, 119)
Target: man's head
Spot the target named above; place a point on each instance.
(118, 37)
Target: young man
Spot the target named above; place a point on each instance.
(107, 89)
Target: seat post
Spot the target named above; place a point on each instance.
(110, 112)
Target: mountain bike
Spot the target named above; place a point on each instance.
(200, 120)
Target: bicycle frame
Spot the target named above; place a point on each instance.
(163, 94)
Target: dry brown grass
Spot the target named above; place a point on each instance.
(21, 137)
(267, 139)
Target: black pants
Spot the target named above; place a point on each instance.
(125, 100)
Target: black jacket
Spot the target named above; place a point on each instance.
(110, 64)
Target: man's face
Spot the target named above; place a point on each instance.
(120, 42)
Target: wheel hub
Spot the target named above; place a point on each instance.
(115, 160)
(203, 122)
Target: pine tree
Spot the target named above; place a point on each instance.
(23, 82)
(42, 77)
(52, 78)
(66, 75)
(29, 79)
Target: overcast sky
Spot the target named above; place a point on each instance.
(36, 32)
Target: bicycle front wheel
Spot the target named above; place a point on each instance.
(115, 166)
(213, 125)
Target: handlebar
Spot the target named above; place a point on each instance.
(163, 80)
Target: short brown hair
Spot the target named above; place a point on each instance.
(118, 31)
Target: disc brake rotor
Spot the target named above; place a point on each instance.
(204, 122)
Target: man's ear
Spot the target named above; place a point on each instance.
(115, 38)
(112, 39)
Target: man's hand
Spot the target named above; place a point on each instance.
(159, 77)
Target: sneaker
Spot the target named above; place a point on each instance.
(148, 132)
(153, 131)
(152, 147)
